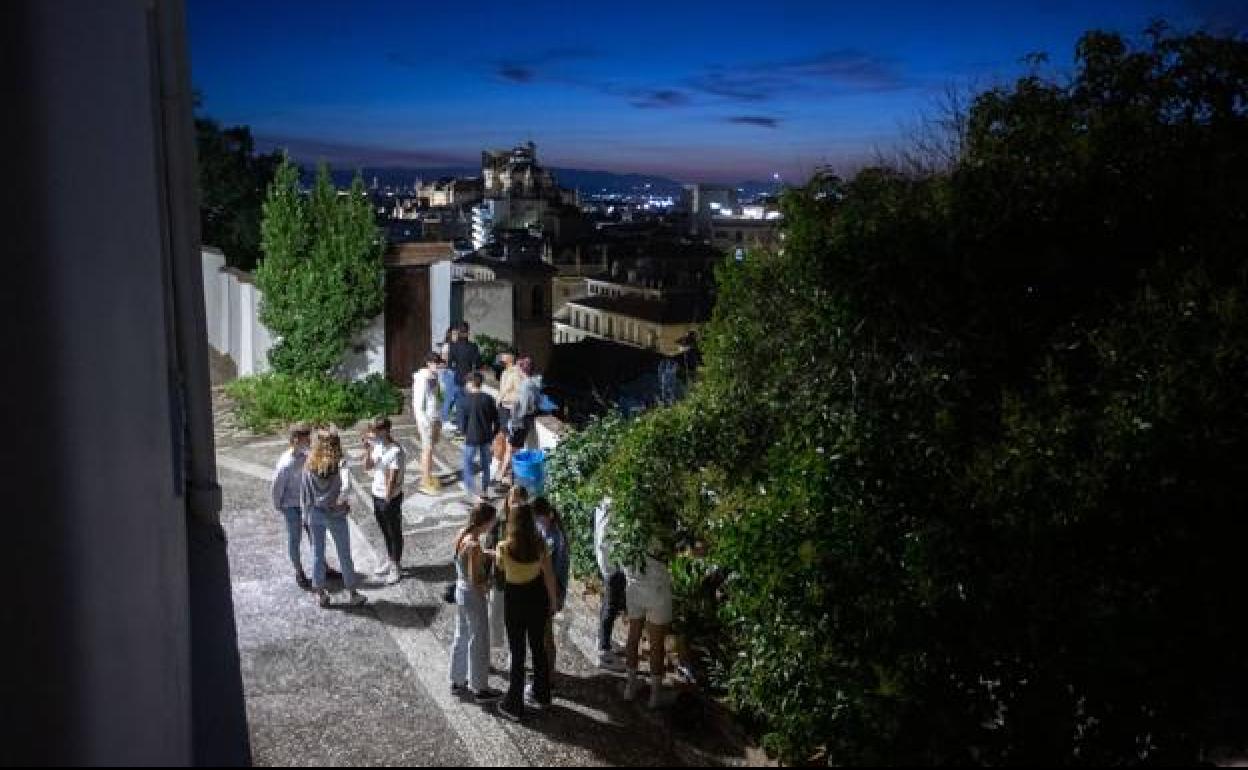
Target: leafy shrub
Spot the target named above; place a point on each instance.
(568, 472)
(268, 402)
(490, 347)
(322, 271)
(969, 452)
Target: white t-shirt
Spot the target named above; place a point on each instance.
(386, 458)
(426, 396)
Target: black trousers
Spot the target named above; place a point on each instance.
(613, 605)
(390, 519)
(525, 609)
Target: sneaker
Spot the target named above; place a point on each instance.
(460, 690)
(609, 661)
(355, 598)
(332, 574)
(383, 568)
(513, 712)
(530, 699)
(487, 695)
(302, 581)
(323, 598)
(395, 575)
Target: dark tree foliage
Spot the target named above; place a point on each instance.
(232, 183)
(972, 448)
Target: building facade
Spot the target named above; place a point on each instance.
(650, 324)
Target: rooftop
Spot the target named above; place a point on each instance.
(685, 309)
(419, 254)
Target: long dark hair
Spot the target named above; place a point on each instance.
(482, 513)
(523, 543)
(542, 507)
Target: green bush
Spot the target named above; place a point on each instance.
(268, 402)
(490, 347)
(568, 471)
(322, 271)
(969, 451)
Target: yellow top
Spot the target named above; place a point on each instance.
(518, 571)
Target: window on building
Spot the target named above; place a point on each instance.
(611, 326)
(596, 331)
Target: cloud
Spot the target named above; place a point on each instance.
(844, 69)
(762, 121)
(542, 65)
(516, 73)
(659, 98)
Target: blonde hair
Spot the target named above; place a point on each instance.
(326, 455)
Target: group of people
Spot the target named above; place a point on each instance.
(448, 392)
(511, 571)
(511, 565)
(312, 490)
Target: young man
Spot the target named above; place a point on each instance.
(463, 358)
(478, 420)
(614, 602)
(427, 401)
(508, 389)
(285, 493)
(386, 459)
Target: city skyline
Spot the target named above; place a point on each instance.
(717, 92)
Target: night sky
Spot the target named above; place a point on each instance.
(721, 91)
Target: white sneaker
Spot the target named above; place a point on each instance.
(531, 700)
(395, 575)
(383, 568)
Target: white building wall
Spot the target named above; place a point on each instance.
(232, 305)
(439, 302)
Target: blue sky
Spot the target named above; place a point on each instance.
(720, 91)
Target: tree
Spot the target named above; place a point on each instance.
(970, 449)
(322, 271)
(232, 183)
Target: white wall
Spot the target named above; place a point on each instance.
(232, 307)
(367, 353)
(439, 302)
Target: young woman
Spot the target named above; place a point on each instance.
(323, 497)
(522, 414)
(285, 493)
(649, 596)
(529, 580)
(550, 526)
(498, 628)
(470, 650)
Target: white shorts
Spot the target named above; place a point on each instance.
(649, 596)
(427, 430)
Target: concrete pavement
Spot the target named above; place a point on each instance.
(369, 685)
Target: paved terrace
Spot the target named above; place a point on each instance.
(369, 685)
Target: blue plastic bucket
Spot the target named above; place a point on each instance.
(529, 469)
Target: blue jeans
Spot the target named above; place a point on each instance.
(470, 651)
(294, 536)
(483, 452)
(320, 520)
(451, 392)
